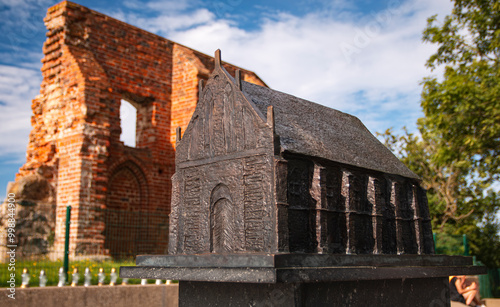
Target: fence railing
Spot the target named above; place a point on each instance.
(126, 235)
(131, 233)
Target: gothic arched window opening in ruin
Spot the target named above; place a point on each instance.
(221, 220)
(128, 123)
(124, 215)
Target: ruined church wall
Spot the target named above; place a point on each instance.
(91, 62)
(115, 61)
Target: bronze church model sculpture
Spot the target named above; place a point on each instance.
(280, 201)
(258, 170)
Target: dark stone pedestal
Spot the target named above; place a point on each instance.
(395, 292)
(306, 279)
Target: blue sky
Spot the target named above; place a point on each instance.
(363, 57)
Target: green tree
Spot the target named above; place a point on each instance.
(458, 203)
(457, 151)
(462, 111)
(455, 197)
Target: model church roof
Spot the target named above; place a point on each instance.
(307, 128)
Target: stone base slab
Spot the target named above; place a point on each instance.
(94, 296)
(293, 268)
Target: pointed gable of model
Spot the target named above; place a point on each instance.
(224, 121)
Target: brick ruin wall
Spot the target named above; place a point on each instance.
(91, 63)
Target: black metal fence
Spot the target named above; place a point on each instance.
(126, 234)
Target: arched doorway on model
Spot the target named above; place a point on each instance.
(221, 220)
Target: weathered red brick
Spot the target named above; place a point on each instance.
(91, 62)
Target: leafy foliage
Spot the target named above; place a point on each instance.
(458, 204)
(457, 151)
(462, 112)
(454, 193)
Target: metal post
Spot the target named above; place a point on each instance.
(466, 245)
(66, 242)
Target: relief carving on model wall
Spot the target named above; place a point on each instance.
(223, 125)
(254, 202)
(194, 216)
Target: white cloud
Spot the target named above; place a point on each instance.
(166, 23)
(27, 11)
(163, 24)
(303, 56)
(18, 86)
(24, 3)
(170, 6)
